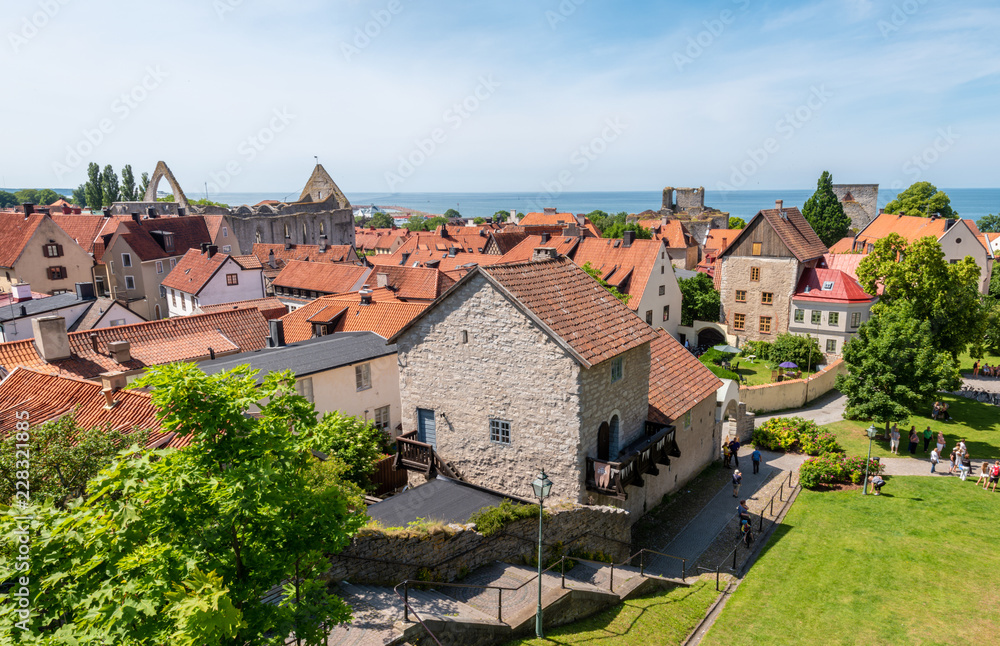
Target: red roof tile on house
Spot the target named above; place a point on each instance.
(325, 277)
(15, 232)
(193, 271)
(188, 232)
(673, 232)
(304, 252)
(413, 283)
(795, 232)
(677, 380)
(436, 252)
(627, 268)
(270, 308)
(85, 229)
(830, 286)
(718, 239)
(844, 245)
(248, 262)
(558, 219)
(524, 250)
(385, 316)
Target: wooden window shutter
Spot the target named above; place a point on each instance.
(59, 250)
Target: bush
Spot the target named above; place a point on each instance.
(795, 435)
(490, 520)
(834, 468)
(711, 359)
(762, 349)
(803, 351)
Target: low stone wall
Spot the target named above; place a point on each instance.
(794, 393)
(375, 557)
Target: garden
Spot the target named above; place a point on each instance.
(761, 362)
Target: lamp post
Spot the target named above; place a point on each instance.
(871, 437)
(542, 486)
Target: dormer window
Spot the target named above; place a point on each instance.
(827, 285)
(168, 241)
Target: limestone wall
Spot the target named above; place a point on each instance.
(778, 276)
(304, 227)
(793, 393)
(864, 207)
(375, 557)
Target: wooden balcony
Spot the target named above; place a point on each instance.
(643, 457)
(413, 455)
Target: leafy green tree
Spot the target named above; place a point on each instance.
(699, 299)
(945, 295)
(736, 223)
(991, 340)
(451, 214)
(824, 212)
(995, 284)
(109, 185)
(479, 221)
(803, 351)
(604, 221)
(596, 275)
(7, 200)
(128, 184)
(94, 189)
(922, 199)
(64, 457)
(80, 195)
(179, 546)
(618, 229)
(989, 223)
(416, 223)
(894, 368)
(433, 223)
(359, 444)
(143, 185)
(204, 201)
(381, 221)
(41, 197)
(501, 216)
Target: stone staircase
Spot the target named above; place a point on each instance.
(468, 613)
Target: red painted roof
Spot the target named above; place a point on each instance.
(385, 316)
(677, 380)
(325, 277)
(842, 288)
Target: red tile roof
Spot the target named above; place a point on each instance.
(193, 271)
(591, 323)
(385, 316)
(558, 219)
(718, 239)
(910, 227)
(627, 268)
(436, 250)
(304, 252)
(844, 245)
(677, 380)
(792, 229)
(15, 232)
(85, 229)
(185, 338)
(189, 233)
(270, 308)
(413, 283)
(673, 232)
(214, 224)
(325, 277)
(842, 288)
(368, 238)
(523, 251)
(248, 262)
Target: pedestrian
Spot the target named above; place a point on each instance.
(743, 511)
(965, 466)
(984, 473)
(940, 443)
(727, 456)
(928, 434)
(936, 411)
(961, 447)
(755, 458)
(747, 532)
(734, 446)
(737, 481)
(877, 483)
(975, 369)
(945, 415)
(934, 459)
(954, 459)
(914, 439)
(894, 440)
(994, 476)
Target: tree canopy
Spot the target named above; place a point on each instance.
(39, 196)
(989, 223)
(7, 200)
(93, 189)
(479, 221)
(618, 229)
(501, 216)
(922, 199)
(416, 223)
(451, 214)
(699, 299)
(824, 212)
(736, 223)
(128, 184)
(803, 351)
(381, 220)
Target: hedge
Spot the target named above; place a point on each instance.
(795, 435)
(835, 468)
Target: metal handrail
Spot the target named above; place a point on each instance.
(406, 606)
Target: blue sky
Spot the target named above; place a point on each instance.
(503, 96)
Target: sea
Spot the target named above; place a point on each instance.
(970, 203)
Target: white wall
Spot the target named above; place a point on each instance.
(959, 242)
(662, 274)
(250, 285)
(840, 333)
(337, 390)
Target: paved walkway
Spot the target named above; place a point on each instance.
(989, 384)
(823, 410)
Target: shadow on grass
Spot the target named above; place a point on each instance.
(779, 532)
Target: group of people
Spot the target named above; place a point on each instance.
(940, 411)
(986, 370)
(746, 528)
(989, 474)
(914, 438)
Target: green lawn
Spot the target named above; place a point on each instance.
(758, 373)
(916, 565)
(965, 361)
(977, 423)
(661, 619)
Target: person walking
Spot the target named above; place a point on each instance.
(755, 458)
(737, 481)
(727, 456)
(940, 443)
(894, 440)
(984, 473)
(914, 439)
(934, 459)
(965, 466)
(734, 446)
(994, 476)
(975, 369)
(954, 460)
(928, 435)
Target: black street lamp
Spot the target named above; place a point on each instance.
(542, 486)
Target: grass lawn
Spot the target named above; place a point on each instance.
(661, 619)
(965, 361)
(977, 423)
(916, 565)
(758, 373)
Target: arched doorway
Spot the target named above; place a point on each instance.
(604, 442)
(156, 312)
(709, 337)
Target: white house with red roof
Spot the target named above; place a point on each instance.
(207, 277)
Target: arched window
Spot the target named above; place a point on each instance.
(613, 433)
(305, 233)
(604, 442)
(259, 237)
(322, 229)
(157, 312)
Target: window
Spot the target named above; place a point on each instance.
(56, 292)
(363, 376)
(126, 260)
(286, 232)
(765, 325)
(159, 266)
(739, 321)
(304, 387)
(767, 298)
(168, 241)
(52, 250)
(465, 336)
(833, 318)
(225, 232)
(663, 290)
(756, 249)
(855, 319)
(831, 346)
(755, 273)
(227, 248)
(232, 279)
(130, 282)
(666, 312)
(163, 291)
(173, 263)
(56, 273)
(662, 269)
(827, 285)
(617, 369)
(649, 317)
(800, 316)
(816, 317)
(741, 296)
(499, 431)
(382, 418)
(116, 322)
(687, 419)
(99, 285)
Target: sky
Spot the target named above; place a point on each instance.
(569, 95)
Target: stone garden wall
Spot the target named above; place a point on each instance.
(793, 393)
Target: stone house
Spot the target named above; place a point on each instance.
(34, 250)
(758, 272)
(207, 277)
(532, 365)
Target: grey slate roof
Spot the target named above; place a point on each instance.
(441, 499)
(40, 306)
(307, 357)
(684, 273)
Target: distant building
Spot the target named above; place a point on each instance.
(34, 250)
(688, 205)
(207, 277)
(860, 202)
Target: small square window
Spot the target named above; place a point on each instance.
(827, 285)
(767, 298)
(117, 322)
(225, 232)
(663, 290)
(226, 248)
(756, 249)
(739, 321)
(232, 279)
(765, 325)
(382, 418)
(126, 260)
(855, 319)
(816, 317)
(499, 431)
(129, 282)
(159, 266)
(617, 369)
(363, 376)
(755, 273)
(800, 316)
(833, 318)
(831, 346)
(741, 296)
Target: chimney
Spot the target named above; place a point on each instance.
(120, 351)
(106, 212)
(212, 250)
(24, 311)
(109, 399)
(628, 238)
(382, 279)
(181, 211)
(85, 291)
(271, 262)
(21, 292)
(277, 338)
(151, 212)
(366, 296)
(51, 337)
(204, 246)
(211, 353)
(93, 342)
(543, 253)
(432, 264)
(288, 245)
(549, 210)
(29, 209)
(322, 244)
(545, 238)
(513, 216)
(135, 216)
(571, 230)
(778, 204)
(113, 381)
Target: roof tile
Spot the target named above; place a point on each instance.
(677, 380)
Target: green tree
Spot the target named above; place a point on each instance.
(479, 221)
(699, 299)
(501, 216)
(143, 185)
(433, 223)
(109, 185)
(989, 223)
(945, 295)
(991, 340)
(618, 229)
(204, 201)
(824, 212)
(357, 443)
(7, 200)
(381, 221)
(596, 275)
(128, 184)
(416, 223)
(922, 199)
(179, 546)
(94, 188)
(39, 196)
(894, 368)
(452, 214)
(995, 284)
(803, 351)
(736, 223)
(80, 195)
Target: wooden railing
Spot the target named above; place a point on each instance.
(386, 477)
(413, 454)
(639, 459)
